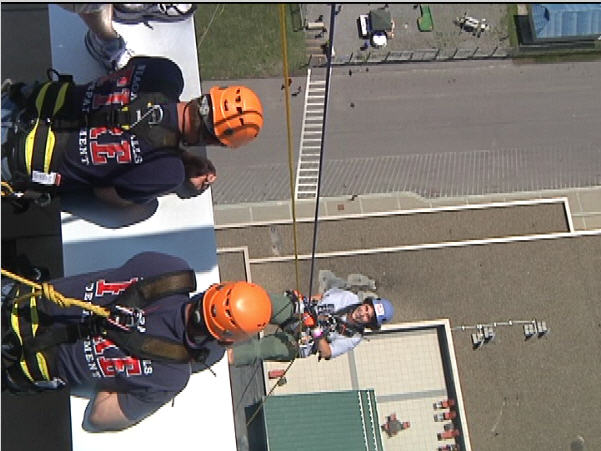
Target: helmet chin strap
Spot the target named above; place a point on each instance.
(202, 108)
(197, 333)
(184, 117)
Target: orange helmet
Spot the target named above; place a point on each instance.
(233, 311)
(237, 115)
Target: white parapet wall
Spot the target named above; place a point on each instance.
(179, 227)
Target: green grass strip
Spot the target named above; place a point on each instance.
(236, 41)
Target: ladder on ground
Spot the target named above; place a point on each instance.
(307, 170)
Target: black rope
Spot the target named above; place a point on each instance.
(330, 46)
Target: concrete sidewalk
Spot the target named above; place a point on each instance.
(584, 205)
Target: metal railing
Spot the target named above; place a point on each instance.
(405, 56)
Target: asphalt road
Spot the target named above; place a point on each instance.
(520, 126)
(453, 107)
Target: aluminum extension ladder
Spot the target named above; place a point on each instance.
(311, 138)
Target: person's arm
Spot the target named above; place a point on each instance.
(109, 195)
(103, 413)
(339, 345)
(324, 351)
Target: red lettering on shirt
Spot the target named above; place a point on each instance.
(127, 365)
(101, 343)
(121, 77)
(110, 367)
(119, 150)
(115, 98)
(103, 287)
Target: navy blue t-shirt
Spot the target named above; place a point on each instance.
(102, 156)
(95, 363)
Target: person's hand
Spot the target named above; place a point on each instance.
(317, 332)
(305, 340)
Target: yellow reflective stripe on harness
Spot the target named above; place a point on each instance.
(14, 321)
(125, 126)
(35, 318)
(51, 139)
(35, 322)
(60, 100)
(43, 366)
(39, 101)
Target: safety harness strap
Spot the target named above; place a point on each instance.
(40, 142)
(149, 347)
(38, 349)
(146, 291)
(141, 294)
(24, 321)
(35, 147)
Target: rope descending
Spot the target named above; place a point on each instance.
(48, 291)
(7, 189)
(321, 152)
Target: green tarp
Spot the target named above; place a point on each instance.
(425, 22)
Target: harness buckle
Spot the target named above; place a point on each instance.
(156, 115)
(127, 319)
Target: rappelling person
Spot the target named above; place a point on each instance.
(120, 136)
(328, 325)
(137, 358)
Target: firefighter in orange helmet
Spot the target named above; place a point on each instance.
(229, 116)
(230, 312)
(119, 136)
(142, 355)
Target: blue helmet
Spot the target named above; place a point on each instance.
(383, 309)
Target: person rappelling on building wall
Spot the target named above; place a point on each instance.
(329, 326)
(120, 135)
(137, 358)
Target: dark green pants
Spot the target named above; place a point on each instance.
(280, 346)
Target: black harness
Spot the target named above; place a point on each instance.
(33, 343)
(330, 322)
(333, 322)
(35, 146)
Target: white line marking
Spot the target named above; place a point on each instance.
(442, 245)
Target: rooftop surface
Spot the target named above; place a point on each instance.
(566, 20)
(409, 370)
(509, 385)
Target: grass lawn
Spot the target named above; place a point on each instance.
(237, 40)
(508, 21)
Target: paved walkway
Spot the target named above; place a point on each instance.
(584, 205)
